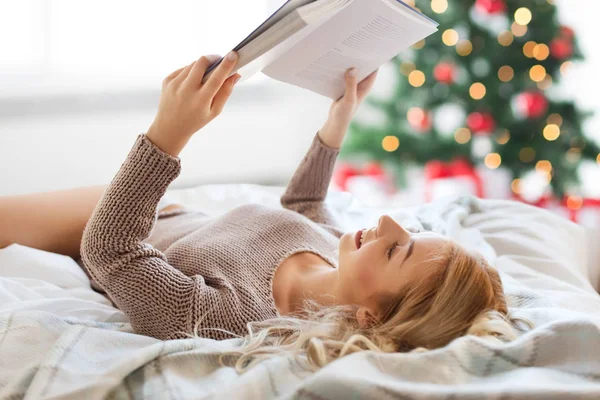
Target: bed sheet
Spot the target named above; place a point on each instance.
(59, 339)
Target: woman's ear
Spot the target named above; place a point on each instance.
(365, 318)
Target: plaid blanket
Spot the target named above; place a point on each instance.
(46, 352)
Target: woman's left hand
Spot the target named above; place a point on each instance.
(342, 111)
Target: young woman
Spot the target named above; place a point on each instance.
(290, 272)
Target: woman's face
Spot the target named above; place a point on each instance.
(366, 272)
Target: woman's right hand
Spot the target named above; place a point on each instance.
(187, 105)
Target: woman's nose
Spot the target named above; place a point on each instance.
(388, 225)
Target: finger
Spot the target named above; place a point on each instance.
(223, 95)
(181, 77)
(195, 76)
(220, 74)
(351, 87)
(172, 75)
(365, 86)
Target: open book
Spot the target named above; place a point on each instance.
(311, 43)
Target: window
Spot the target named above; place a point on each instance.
(74, 46)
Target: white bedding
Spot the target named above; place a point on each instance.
(59, 339)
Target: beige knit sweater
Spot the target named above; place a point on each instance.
(168, 271)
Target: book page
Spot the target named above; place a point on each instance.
(365, 34)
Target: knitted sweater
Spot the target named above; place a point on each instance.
(167, 272)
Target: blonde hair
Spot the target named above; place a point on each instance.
(461, 295)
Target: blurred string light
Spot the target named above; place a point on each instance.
(523, 16)
(537, 73)
(555, 119)
(598, 158)
(543, 166)
(462, 135)
(477, 91)
(492, 160)
(504, 137)
(419, 45)
(565, 67)
(390, 143)
(416, 78)
(506, 73)
(518, 30)
(505, 38)
(528, 49)
(407, 67)
(450, 37)
(464, 48)
(515, 186)
(541, 52)
(439, 6)
(546, 83)
(527, 154)
(574, 202)
(551, 132)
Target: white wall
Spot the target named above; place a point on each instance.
(259, 138)
(64, 142)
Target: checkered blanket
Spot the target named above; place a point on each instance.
(60, 340)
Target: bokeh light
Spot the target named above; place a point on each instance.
(515, 186)
(528, 49)
(537, 73)
(492, 160)
(477, 91)
(574, 202)
(390, 143)
(551, 132)
(541, 52)
(506, 38)
(504, 137)
(564, 68)
(543, 166)
(527, 154)
(555, 119)
(506, 73)
(518, 30)
(416, 78)
(419, 45)
(407, 67)
(546, 83)
(523, 16)
(462, 135)
(439, 6)
(464, 48)
(450, 37)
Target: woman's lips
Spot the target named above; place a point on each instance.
(357, 238)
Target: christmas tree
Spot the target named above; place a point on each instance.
(481, 90)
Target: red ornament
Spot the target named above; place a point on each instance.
(373, 169)
(561, 48)
(490, 6)
(444, 72)
(567, 32)
(481, 123)
(532, 104)
(343, 173)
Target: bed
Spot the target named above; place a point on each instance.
(61, 340)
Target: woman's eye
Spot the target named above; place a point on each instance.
(391, 250)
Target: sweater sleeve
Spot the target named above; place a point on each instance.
(159, 300)
(307, 190)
